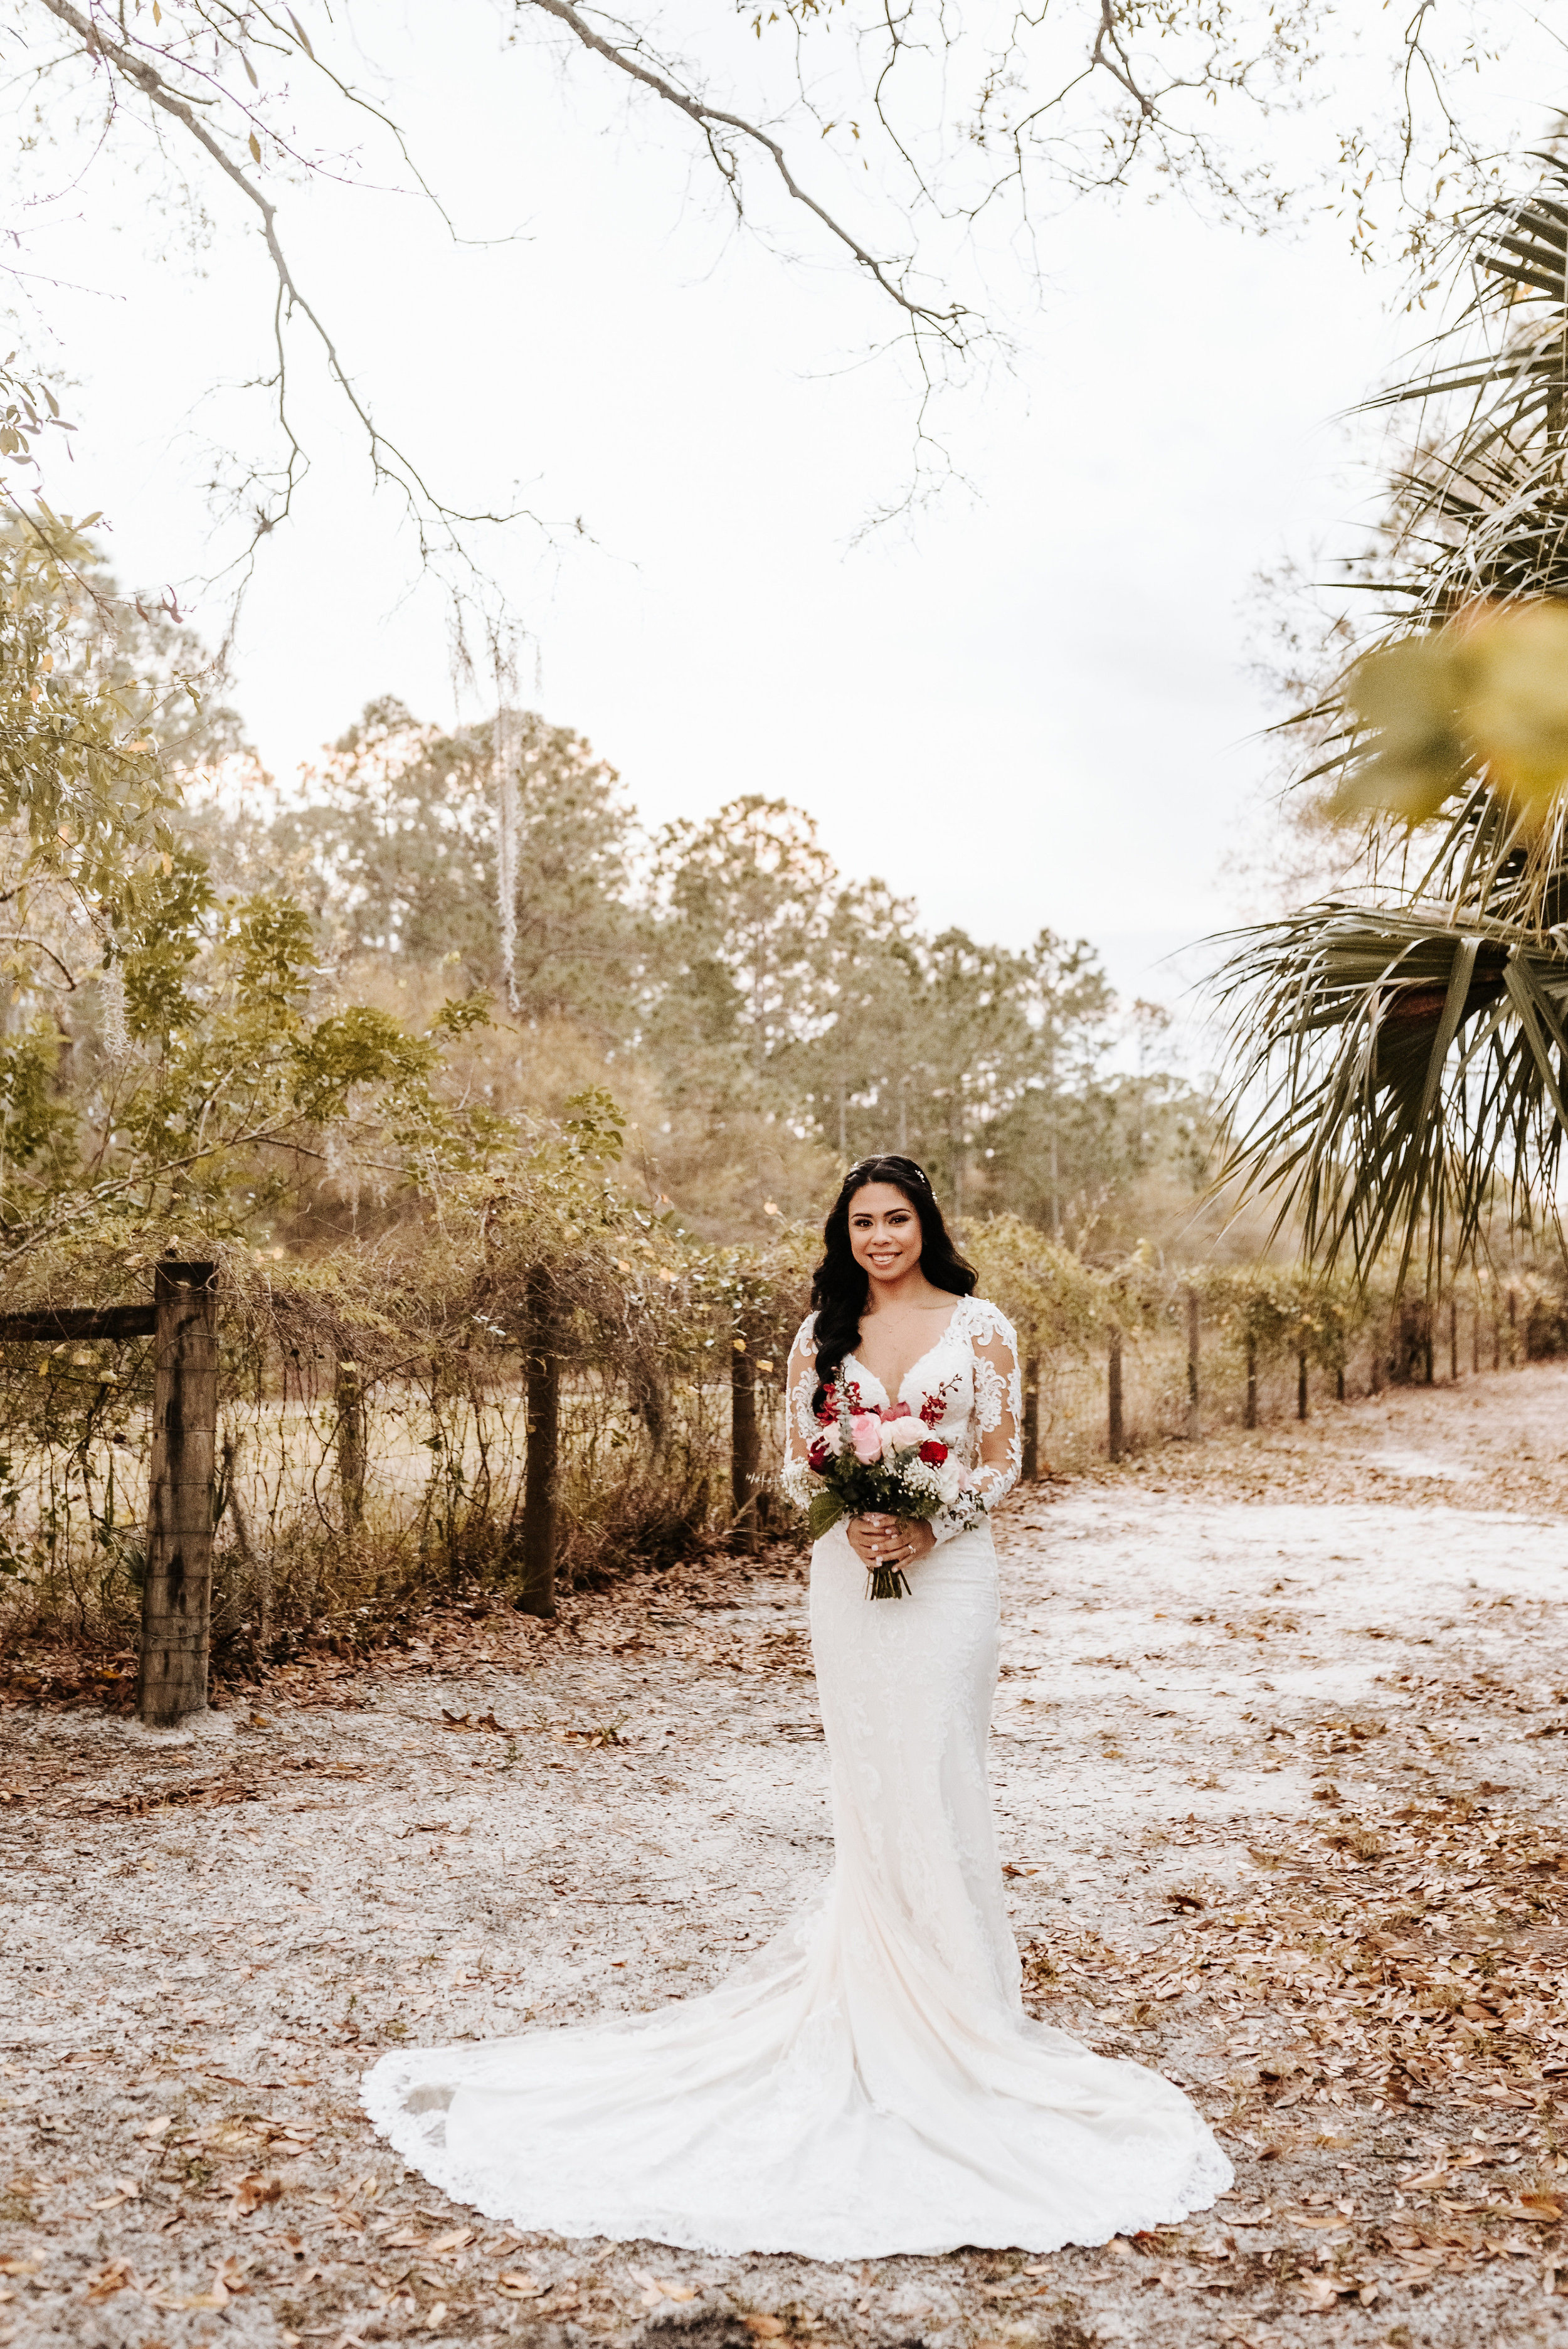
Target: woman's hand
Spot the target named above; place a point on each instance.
(889, 1541)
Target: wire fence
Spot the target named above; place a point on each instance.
(377, 1416)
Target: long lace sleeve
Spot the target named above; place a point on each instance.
(999, 1424)
(800, 1425)
(999, 1413)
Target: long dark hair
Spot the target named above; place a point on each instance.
(841, 1287)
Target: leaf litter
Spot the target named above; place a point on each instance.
(1278, 1785)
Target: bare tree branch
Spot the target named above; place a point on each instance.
(389, 461)
(944, 322)
(1108, 52)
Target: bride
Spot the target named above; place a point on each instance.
(869, 2084)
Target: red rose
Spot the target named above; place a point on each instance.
(816, 1458)
(933, 1452)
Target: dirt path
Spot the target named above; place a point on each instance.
(1279, 1759)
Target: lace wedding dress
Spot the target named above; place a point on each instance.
(869, 2084)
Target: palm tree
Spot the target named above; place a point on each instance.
(1403, 1061)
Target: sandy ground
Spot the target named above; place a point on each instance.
(1279, 1754)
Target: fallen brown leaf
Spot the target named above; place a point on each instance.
(125, 2191)
(117, 2276)
(444, 2245)
(252, 2192)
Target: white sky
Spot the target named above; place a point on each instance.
(1029, 706)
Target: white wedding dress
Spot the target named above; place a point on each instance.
(869, 2084)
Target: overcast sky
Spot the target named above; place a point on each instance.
(1029, 704)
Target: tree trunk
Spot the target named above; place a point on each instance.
(745, 1447)
(1031, 1428)
(540, 1478)
(177, 1595)
(1300, 1386)
(1454, 1341)
(1251, 1414)
(1115, 1433)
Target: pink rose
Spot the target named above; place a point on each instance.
(865, 1434)
(897, 1411)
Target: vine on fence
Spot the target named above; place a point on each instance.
(381, 1404)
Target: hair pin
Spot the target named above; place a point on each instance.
(892, 1158)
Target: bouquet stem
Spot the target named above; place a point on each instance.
(887, 1582)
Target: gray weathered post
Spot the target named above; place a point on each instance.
(1192, 1420)
(541, 1475)
(177, 1595)
(745, 1446)
(1115, 1433)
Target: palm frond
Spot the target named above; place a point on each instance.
(1402, 1057)
(1405, 1074)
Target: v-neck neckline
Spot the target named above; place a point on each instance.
(920, 1361)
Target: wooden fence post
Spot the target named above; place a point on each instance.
(1377, 1345)
(745, 1447)
(1115, 1433)
(1031, 1419)
(541, 1466)
(1252, 1413)
(1300, 1386)
(176, 1594)
(1193, 1419)
(1453, 1340)
(348, 1395)
(1513, 1330)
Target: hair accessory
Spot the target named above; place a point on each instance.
(892, 1158)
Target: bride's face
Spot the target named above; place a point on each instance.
(884, 1231)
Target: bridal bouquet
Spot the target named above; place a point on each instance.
(881, 1460)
